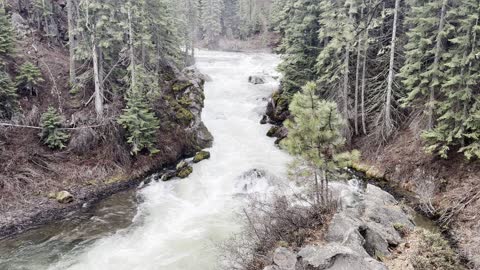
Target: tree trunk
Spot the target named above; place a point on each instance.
(132, 51)
(438, 50)
(71, 41)
(318, 189)
(346, 73)
(391, 74)
(357, 80)
(98, 88)
(364, 82)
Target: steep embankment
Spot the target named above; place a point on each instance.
(448, 190)
(97, 160)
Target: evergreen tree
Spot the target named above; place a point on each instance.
(315, 136)
(211, 11)
(52, 135)
(299, 45)
(457, 124)
(140, 123)
(29, 78)
(8, 97)
(6, 34)
(423, 72)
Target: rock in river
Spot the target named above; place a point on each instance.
(202, 155)
(256, 79)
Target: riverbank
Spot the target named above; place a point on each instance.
(97, 162)
(446, 190)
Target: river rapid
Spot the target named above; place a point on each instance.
(174, 225)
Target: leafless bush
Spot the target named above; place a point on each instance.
(425, 190)
(112, 136)
(285, 220)
(83, 141)
(32, 118)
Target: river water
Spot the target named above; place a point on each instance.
(175, 225)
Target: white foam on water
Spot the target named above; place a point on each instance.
(179, 222)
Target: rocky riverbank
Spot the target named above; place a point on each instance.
(83, 178)
(368, 226)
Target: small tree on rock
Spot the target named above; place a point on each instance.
(52, 135)
(140, 122)
(29, 78)
(315, 138)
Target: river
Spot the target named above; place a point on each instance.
(174, 225)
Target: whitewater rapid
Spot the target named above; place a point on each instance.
(179, 224)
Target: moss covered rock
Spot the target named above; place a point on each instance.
(202, 155)
(185, 172)
(64, 197)
(273, 130)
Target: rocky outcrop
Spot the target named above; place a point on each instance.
(188, 90)
(363, 230)
(277, 109)
(279, 132)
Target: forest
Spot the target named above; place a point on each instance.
(374, 106)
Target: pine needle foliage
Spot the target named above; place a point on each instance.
(140, 123)
(315, 135)
(52, 135)
(8, 97)
(29, 78)
(6, 34)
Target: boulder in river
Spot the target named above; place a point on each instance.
(183, 169)
(279, 132)
(185, 172)
(64, 197)
(256, 79)
(168, 175)
(202, 155)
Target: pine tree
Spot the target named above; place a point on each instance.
(140, 123)
(299, 45)
(423, 70)
(211, 11)
(315, 136)
(6, 34)
(52, 135)
(8, 97)
(457, 126)
(29, 78)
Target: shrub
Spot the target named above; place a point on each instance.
(435, 253)
(140, 123)
(6, 34)
(52, 135)
(8, 97)
(284, 221)
(29, 78)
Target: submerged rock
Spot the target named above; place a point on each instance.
(64, 197)
(202, 155)
(168, 175)
(256, 79)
